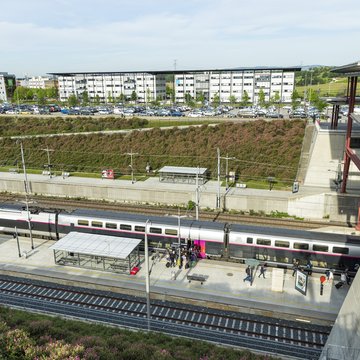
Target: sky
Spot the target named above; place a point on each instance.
(43, 36)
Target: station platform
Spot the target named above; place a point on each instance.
(223, 288)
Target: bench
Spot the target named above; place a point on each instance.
(197, 277)
(13, 171)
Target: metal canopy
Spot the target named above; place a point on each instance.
(183, 170)
(348, 70)
(341, 100)
(97, 245)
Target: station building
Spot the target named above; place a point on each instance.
(151, 85)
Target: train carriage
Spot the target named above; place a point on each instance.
(273, 245)
(280, 245)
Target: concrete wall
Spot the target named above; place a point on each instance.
(326, 154)
(344, 340)
(308, 203)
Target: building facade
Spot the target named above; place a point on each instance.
(7, 86)
(112, 87)
(37, 82)
(227, 84)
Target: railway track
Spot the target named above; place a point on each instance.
(259, 333)
(71, 204)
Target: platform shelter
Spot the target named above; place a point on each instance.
(97, 252)
(180, 174)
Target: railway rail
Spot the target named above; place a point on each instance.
(71, 204)
(259, 333)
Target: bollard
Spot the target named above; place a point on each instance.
(322, 280)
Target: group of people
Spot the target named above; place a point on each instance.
(185, 257)
(248, 272)
(296, 266)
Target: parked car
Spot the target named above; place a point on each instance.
(274, 115)
(297, 115)
(176, 113)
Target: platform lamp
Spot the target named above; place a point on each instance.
(26, 193)
(147, 277)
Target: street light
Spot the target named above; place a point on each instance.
(26, 194)
(147, 278)
(178, 216)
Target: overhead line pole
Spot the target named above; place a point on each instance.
(131, 164)
(48, 157)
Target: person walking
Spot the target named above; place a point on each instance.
(295, 266)
(263, 270)
(248, 274)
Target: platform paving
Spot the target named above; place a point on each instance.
(223, 288)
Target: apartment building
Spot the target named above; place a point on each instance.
(233, 83)
(7, 86)
(225, 83)
(108, 87)
(37, 82)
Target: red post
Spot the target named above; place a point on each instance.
(357, 226)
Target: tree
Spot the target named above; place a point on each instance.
(200, 97)
(134, 96)
(97, 100)
(216, 100)
(261, 98)
(188, 99)
(245, 99)
(148, 95)
(41, 96)
(232, 100)
(121, 98)
(73, 100)
(295, 99)
(85, 98)
(170, 93)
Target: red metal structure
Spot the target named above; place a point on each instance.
(352, 71)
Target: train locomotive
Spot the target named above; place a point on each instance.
(276, 246)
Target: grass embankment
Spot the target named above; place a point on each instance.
(262, 149)
(334, 88)
(31, 336)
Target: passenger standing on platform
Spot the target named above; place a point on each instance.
(309, 266)
(347, 276)
(295, 266)
(262, 270)
(248, 274)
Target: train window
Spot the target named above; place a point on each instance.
(139, 228)
(155, 230)
(97, 223)
(323, 248)
(249, 240)
(266, 242)
(340, 250)
(301, 246)
(83, 222)
(111, 226)
(284, 244)
(171, 232)
(125, 227)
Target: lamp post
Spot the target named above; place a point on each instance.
(26, 194)
(147, 278)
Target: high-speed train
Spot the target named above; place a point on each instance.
(228, 241)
